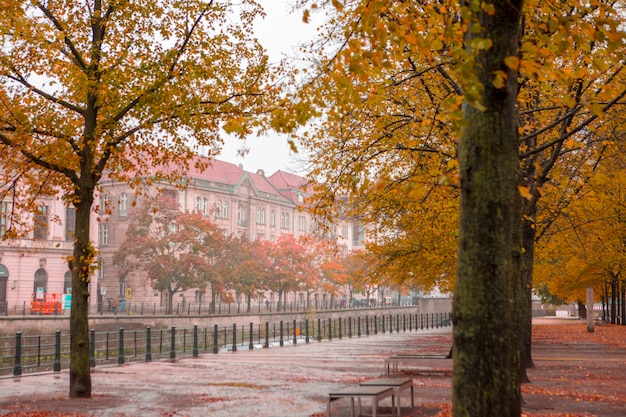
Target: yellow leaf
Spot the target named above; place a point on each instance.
(512, 62)
(524, 192)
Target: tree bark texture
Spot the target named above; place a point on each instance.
(488, 158)
(80, 371)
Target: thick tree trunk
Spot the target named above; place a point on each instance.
(528, 256)
(84, 252)
(488, 157)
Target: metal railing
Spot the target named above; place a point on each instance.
(21, 354)
(202, 308)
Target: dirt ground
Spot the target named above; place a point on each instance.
(576, 374)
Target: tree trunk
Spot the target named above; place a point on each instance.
(80, 265)
(528, 256)
(582, 310)
(482, 384)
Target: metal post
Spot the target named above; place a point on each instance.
(330, 329)
(367, 325)
(173, 343)
(194, 351)
(57, 351)
(148, 344)
(375, 324)
(120, 349)
(215, 349)
(306, 327)
(251, 345)
(350, 327)
(358, 328)
(92, 348)
(295, 336)
(267, 334)
(17, 366)
(281, 333)
(234, 336)
(340, 329)
(319, 330)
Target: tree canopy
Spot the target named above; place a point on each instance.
(119, 88)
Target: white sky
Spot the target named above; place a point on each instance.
(280, 33)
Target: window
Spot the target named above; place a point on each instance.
(40, 285)
(198, 204)
(67, 282)
(41, 223)
(4, 216)
(344, 231)
(242, 214)
(122, 287)
(103, 234)
(221, 210)
(123, 211)
(260, 215)
(284, 220)
(70, 223)
(272, 218)
(105, 201)
(260, 236)
(301, 223)
(205, 206)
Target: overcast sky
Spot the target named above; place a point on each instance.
(280, 32)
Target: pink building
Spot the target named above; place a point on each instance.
(240, 202)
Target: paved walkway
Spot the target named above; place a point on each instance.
(286, 381)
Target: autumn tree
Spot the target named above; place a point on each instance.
(171, 247)
(249, 268)
(391, 81)
(117, 87)
(585, 244)
(286, 265)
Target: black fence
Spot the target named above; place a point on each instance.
(121, 306)
(21, 354)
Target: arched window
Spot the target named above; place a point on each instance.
(41, 282)
(67, 283)
(4, 279)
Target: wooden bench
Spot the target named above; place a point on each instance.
(376, 393)
(398, 384)
(391, 363)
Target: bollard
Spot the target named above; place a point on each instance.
(340, 330)
(280, 334)
(367, 325)
(295, 336)
(57, 351)
(306, 328)
(92, 348)
(17, 366)
(173, 343)
(330, 329)
(234, 336)
(251, 345)
(375, 324)
(319, 330)
(120, 349)
(404, 322)
(267, 334)
(350, 327)
(194, 352)
(382, 324)
(148, 344)
(215, 349)
(358, 327)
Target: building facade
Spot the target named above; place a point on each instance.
(241, 203)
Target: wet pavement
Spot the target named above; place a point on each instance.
(293, 380)
(578, 375)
